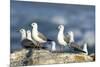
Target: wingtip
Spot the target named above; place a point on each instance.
(49, 40)
(83, 51)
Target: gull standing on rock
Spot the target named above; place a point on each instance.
(61, 38)
(37, 36)
(53, 46)
(73, 44)
(29, 36)
(85, 48)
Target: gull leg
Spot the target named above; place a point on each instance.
(39, 46)
(60, 48)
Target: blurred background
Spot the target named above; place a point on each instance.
(77, 18)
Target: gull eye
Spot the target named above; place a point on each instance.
(21, 30)
(33, 24)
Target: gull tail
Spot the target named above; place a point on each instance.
(85, 48)
(83, 51)
(49, 40)
(43, 47)
(80, 50)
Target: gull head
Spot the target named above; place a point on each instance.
(28, 32)
(71, 33)
(23, 33)
(34, 25)
(61, 27)
(29, 35)
(22, 30)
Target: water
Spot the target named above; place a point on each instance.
(78, 18)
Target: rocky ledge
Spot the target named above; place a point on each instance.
(25, 57)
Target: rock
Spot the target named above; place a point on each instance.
(93, 56)
(38, 57)
(17, 58)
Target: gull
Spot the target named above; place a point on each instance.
(53, 46)
(72, 44)
(85, 48)
(37, 36)
(61, 38)
(29, 37)
(70, 36)
(25, 41)
(23, 34)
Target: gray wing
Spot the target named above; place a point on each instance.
(27, 43)
(67, 38)
(42, 36)
(76, 47)
(34, 42)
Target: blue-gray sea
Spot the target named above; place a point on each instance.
(77, 18)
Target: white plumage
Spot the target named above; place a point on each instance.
(29, 36)
(53, 46)
(23, 34)
(85, 48)
(61, 38)
(26, 41)
(37, 36)
(73, 44)
(71, 36)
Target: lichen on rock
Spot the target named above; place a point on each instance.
(40, 57)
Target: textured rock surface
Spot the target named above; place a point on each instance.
(38, 57)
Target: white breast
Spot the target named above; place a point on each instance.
(40, 40)
(53, 46)
(85, 48)
(61, 39)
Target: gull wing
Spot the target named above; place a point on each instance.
(42, 36)
(76, 47)
(67, 38)
(27, 43)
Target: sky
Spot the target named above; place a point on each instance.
(77, 18)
